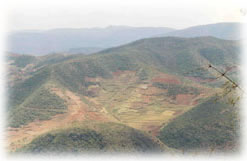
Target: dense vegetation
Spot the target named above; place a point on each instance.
(20, 91)
(172, 55)
(212, 124)
(97, 137)
(178, 55)
(22, 60)
(71, 140)
(53, 59)
(72, 74)
(42, 105)
(213, 55)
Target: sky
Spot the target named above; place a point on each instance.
(49, 14)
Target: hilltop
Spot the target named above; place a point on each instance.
(94, 137)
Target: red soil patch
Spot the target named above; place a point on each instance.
(151, 91)
(117, 73)
(153, 129)
(96, 116)
(165, 78)
(125, 76)
(77, 111)
(184, 99)
(194, 102)
(200, 80)
(91, 79)
(177, 112)
(146, 99)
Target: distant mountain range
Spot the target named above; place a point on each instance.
(65, 40)
(228, 31)
(90, 40)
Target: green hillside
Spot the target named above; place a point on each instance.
(104, 137)
(20, 91)
(172, 55)
(179, 55)
(142, 85)
(169, 55)
(41, 105)
(21, 60)
(210, 125)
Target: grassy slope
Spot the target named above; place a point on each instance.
(21, 60)
(173, 55)
(20, 91)
(30, 99)
(212, 124)
(178, 55)
(145, 57)
(98, 137)
(41, 105)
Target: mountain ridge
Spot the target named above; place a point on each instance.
(143, 85)
(224, 30)
(61, 40)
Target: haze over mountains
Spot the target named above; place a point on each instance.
(91, 40)
(228, 31)
(63, 40)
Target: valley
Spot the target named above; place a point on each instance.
(145, 87)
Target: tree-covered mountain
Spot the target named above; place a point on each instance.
(145, 85)
(95, 137)
(210, 125)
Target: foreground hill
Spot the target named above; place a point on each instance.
(143, 85)
(228, 31)
(67, 40)
(107, 137)
(210, 125)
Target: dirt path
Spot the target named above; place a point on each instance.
(77, 111)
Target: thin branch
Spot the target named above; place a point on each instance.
(226, 77)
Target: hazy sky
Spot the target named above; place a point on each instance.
(48, 14)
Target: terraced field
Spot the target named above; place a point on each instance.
(131, 86)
